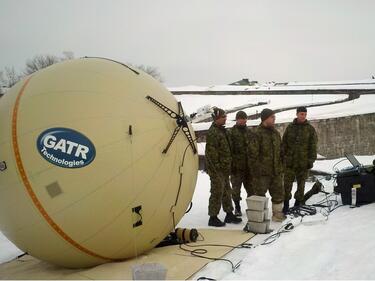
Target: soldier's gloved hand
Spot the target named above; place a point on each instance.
(310, 165)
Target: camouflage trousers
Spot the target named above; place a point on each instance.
(273, 184)
(289, 176)
(237, 179)
(220, 195)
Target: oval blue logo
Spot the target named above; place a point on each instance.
(66, 148)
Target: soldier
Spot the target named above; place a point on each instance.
(218, 165)
(239, 135)
(299, 149)
(265, 163)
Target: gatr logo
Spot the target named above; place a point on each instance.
(66, 148)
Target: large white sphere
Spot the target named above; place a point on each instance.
(86, 180)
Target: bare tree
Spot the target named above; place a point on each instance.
(9, 77)
(39, 62)
(42, 61)
(151, 70)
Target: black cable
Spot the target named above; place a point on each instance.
(273, 237)
(301, 211)
(241, 246)
(326, 205)
(199, 252)
(338, 162)
(180, 182)
(270, 239)
(190, 207)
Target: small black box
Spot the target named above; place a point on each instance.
(363, 182)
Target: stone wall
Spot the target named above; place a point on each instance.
(352, 134)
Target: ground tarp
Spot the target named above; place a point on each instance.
(179, 264)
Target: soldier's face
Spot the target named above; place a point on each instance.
(221, 121)
(241, 122)
(270, 121)
(301, 117)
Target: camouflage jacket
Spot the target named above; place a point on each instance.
(218, 151)
(299, 145)
(240, 136)
(264, 152)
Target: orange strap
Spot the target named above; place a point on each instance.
(29, 189)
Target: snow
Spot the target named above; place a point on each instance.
(7, 250)
(201, 148)
(332, 165)
(340, 248)
(192, 102)
(287, 86)
(363, 105)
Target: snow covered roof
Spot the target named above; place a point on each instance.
(363, 105)
(368, 84)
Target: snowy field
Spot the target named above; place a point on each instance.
(365, 104)
(341, 247)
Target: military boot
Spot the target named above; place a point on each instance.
(230, 218)
(214, 221)
(237, 209)
(286, 207)
(277, 212)
(297, 203)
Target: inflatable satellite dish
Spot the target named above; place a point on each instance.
(98, 163)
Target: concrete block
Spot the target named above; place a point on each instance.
(257, 203)
(149, 271)
(256, 216)
(259, 227)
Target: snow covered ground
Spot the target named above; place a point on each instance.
(7, 250)
(341, 247)
(365, 104)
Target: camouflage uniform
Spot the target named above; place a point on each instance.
(265, 163)
(299, 149)
(240, 136)
(218, 166)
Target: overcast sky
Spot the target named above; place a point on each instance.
(200, 42)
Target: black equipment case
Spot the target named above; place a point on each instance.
(363, 180)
